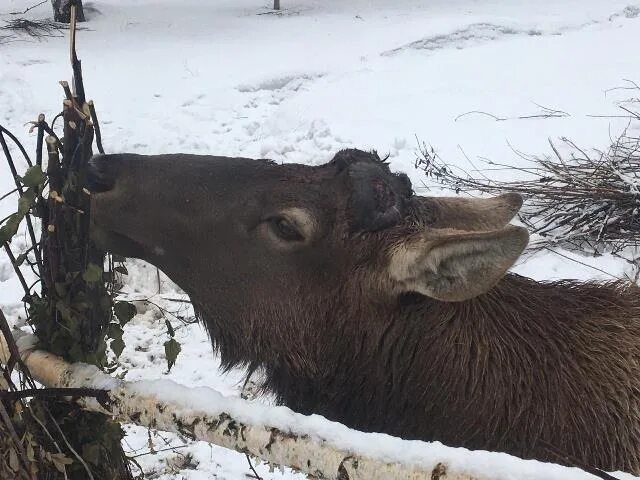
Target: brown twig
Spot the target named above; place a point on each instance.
(12, 259)
(9, 193)
(546, 112)
(48, 229)
(14, 358)
(76, 65)
(177, 300)
(35, 28)
(71, 449)
(255, 474)
(573, 462)
(173, 449)
(631, 85)
(588, 201)
(14, 172)
(40, 139)
(16, 439)
(18, 144)
(29, 8)
(67, 90)
(100, 395)
(13, 349)
(96, 126)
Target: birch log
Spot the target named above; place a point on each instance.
(313, 445)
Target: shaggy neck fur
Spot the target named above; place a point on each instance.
(549, 371)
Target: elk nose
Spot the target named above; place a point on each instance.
(102, 171)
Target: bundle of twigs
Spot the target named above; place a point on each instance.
(70, 305)
(24, 424)
(589, 201)
(35, 28)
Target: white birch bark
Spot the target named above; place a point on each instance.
(267, 434)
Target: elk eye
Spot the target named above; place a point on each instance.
(285, 230)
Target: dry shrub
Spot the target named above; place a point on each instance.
(586, 201)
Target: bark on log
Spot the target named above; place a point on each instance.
(262, 431)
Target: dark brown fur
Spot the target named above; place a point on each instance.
(535, 369)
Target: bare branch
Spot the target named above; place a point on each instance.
(545, 112)
(586, 200)
(96, 126)
(29, 8)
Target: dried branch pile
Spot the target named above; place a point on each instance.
(35, 28)
(584, 201)
(28, 449)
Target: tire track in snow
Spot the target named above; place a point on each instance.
(485, 32)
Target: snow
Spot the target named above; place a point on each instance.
(191, 402)
(498, 466)
(6, 272)
(26, 342)
(229, 78)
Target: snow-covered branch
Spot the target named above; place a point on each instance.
(311, 444)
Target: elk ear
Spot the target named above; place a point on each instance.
(475, 214)
(455, 265)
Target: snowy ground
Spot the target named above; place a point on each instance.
(226, 78)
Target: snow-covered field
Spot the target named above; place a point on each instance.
(228, 78)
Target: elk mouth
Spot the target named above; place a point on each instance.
(117, 243)
(101, 174)
(101, 182)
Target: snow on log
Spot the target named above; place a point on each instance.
(310, 444)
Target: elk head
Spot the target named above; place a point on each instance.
(253, 242)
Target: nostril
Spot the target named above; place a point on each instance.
(101, 173)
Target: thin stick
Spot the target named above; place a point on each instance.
(587, 200)
(71, 449)
(53, 168)
(16, 440)
(29, 8)
(581, 263)
(14, 172)
(40, 139)
(18, 144)
(72, 36)
(62, 393)
(53, 122)
(156, 451)
(177, 300)
(258, 477)
(14, 353)
(96, 126)
(8, 194)
(49, 130)
(67, 90)
(78, 84)
(47, 433)
(12, 259)
(570, 460)
(546, 113)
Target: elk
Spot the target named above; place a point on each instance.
(381, 309)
